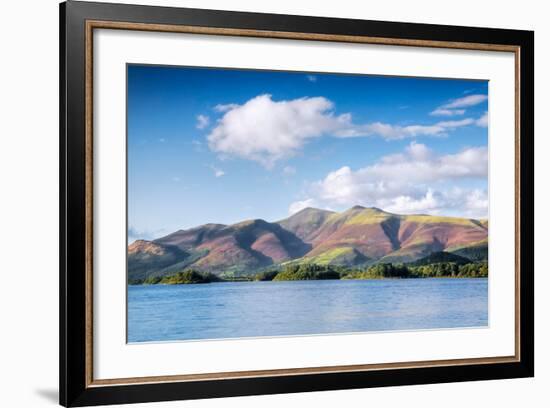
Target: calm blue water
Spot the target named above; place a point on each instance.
(251, 309)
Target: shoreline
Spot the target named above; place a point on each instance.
(303, 272)
(308, 280)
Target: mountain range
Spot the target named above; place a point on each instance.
(358, 236)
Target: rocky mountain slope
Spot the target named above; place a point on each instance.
(357, 236)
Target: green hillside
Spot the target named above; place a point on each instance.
(438, 257)
(478, 251)
(146, 259)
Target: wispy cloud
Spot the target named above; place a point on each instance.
(198, 146)
(300, 205)
(447, 112)
(217, 171)
(311, 78)
(456, 106)
(483, 121)
(466, 101)
(225, 107)
(396, 132)
(202, 121)
(136, 233)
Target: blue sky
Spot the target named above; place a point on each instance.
(218, 145)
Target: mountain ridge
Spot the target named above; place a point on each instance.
(359, 235)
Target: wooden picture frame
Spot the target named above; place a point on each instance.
(78, 20)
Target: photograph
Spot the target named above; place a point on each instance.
(257, 203)
(265, 203)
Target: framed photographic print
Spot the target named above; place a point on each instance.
(255, 203)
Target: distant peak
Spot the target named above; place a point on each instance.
(308, 209)
(361, 208)
(254, 221)
(213, 225)
(311, 210)
(209, 226)
(142, 245)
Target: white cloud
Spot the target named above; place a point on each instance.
(405, 204)
(202, 121)
(225, 107)
(311, 78)
(394, 132)
(483, 121)
(135, 234)
(266, 131)
(453, 107)
(465, 102)
(217, 172)
(477, 203)
(447, 112)
(300, 205)
(472, 203)
(414, 181)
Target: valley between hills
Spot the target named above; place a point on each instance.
(358, 243)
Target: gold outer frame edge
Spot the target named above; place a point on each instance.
(118, 25)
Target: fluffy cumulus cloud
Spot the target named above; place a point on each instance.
(456, 106)
(414, 181)
(461, 202)
(266, 131)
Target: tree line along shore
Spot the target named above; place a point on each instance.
(306, 271)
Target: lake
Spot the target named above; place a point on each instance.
(252, 309)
